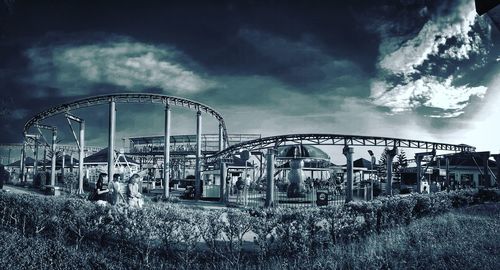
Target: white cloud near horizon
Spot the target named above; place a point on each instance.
(429, 92)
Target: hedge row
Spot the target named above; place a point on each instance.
(178, 232)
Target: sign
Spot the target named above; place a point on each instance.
(322, 197)
(245, 155)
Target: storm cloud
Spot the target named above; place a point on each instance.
(414, 69)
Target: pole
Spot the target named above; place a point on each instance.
(270, 179)
(221, 137)
(81, 158)
(389, 177)
(371, 176)
(45, 159)
(63, 164)
(447, 173)
(348, 151)
(418, 160)
(390, 156)
(198, 157)
(22, 161)
(35, 164)
(10, 150)
(166, 153)
(111, 142)
(54, 156)
(71, 161)
(485, 157)
(184, 168)
(223, 174)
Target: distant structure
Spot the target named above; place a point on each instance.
(213, 161)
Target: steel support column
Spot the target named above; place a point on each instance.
(81, 158)
(221, 137)
(389, 157)
(223, 174)
(54, 156)
(270, 178)
(418, 161)
(63, 164)
(111, 139)
(166, 153)
(373, 161)
(447, 181)
(348, 151)
(198, 157)
(45, 159)
(35, 164)
(22, 164)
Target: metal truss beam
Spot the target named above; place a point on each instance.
(128, 98)
(337, 139)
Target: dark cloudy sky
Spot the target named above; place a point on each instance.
(413, 69)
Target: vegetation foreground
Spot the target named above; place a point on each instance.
(464, 238)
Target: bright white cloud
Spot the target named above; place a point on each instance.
(123, 63)
(433, 34)
(442, 38)
(429, 92)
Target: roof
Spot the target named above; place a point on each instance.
(67, 161)
(102, 157)
(301, 151)
(362, 163)
(310, 164)
(464, 160)
(238, 162)
(28, 162)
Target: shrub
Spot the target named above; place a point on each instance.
(177, 232)
(488, 195)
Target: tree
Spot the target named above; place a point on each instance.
(401, 162)
(402, 159)
(382, 163)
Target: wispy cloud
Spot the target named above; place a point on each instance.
(118, 61)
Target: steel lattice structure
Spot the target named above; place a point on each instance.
(337, 139)
(127, 98)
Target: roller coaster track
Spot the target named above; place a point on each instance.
(128, 98)
(336, 139)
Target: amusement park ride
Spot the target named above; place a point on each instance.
(223, 148)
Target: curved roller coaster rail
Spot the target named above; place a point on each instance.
(127, 98)
(338, 139)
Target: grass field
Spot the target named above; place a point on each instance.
(468, 238)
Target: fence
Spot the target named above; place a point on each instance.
(256, 197)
